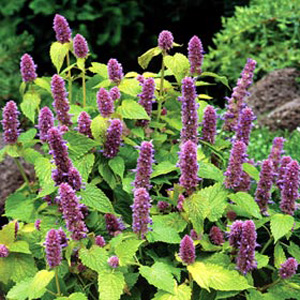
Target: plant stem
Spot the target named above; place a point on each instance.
(161, 88)
(50, 292)
(22, 171)
(265, 287)
(69, 78)
(57, 282)
(191, 281)
(83, 88)
(267, 245)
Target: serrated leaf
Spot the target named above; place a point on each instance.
(43, 169)
(94, 258)
(94, 198)
(214, 276)
(294, 250)
(20, 246)
(117, 164)
(181, 292)
(27, 136)
(172, 220)
(251, 171)
(210, 171)
(38, 285)
(159, 276)
(107, 174)
(262, 260)
(30, 104)
(31, 155)
(126, 250)
(111, 285)
(162, 168)
(281, 225)
(99, 127)
(246, 203)
(20, 290)
(81, 63)
(132, 110)
(130, 87)
(145, 58)
(7, 234)
(58, 51)
(223, 79)
(100, 69)
(178, 64)
(279, 255)
(84, 165)
(12, 150)
(43, 83)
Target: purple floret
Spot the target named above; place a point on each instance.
(84, 124)
(289, 268)
(115, 71)
(113, 261)
(114, 225)
(187, 250)
(28, 68)
(113, 138)
(195, 54)
(62, 29)
(216, 236)
(100, 241)
(105, 103)
(245, 124)
(209, 125)
(80, 45)
(53, 248)
(165, 40)
(46, 121)
(4, 252)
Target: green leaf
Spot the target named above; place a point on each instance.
(95, 258)
(262, 260)
(27, 136)
(126, 250)
(251, 171)
(279, 255)
(111, 285)
(94, 198)
(100, 69)
(7, 234)
(178, 64)
(294, 250)
(181, 292)
(145, 59)
(132, 110)
(31, 155)
(30, 104)
(214, 276)
(20, 290)
(163, 168)
(99, 127)
(246, 202)
(223, 79)
(107, 174)
(12, 150)
(281, 225)
(58, 51)
(117, 164)
(20, 246)
(43, 83)
(130, 87)
(159, 275)
(84, 165)
(78, 296)
(210, 171)
(172, 220)
(81, 63)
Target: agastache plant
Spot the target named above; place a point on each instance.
(84, 124)
(115, 71)
(115, 93)
(187, 250)
(289, 268)
(28, 68)
(165, 40)
(209, 125)
(195, 55)
(53, 248)
(46, 121)
(80, 45)
(10, 122)
(245, 124)
(216, 236)
(105, 103)
(113, 138)
(62, 29)
(235, 234)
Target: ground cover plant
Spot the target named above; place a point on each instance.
(142, 190)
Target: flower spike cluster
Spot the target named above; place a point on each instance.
(105, 103)
(141, 212)
(290, 187)
(245, 183)
(195, 55)
(53, 248)
(235, 234)
(165, 40)
(80, 45)
(234, 170)
(84, 124)
(283, 165)
(46, 121)
(209, 125)
(100, 241)
(4, 252)
(289, 268)
(113, 138)
(187, 250)
(62, 29)
(113, 261)
(114, 93)
(263, 191)
(144, 166)
(28, 68)
(245, 124)
(236, 102)
(114, 225)
(10, 122)
(216, 236)
(61, 103)
(115, 71)
(72, 212)
(276, 152)
(146, 99)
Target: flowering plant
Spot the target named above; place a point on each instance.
(130, 201)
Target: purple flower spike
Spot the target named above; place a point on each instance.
(113, 138)
(100, 241)
(290, 187)
(72, 212)
(187, 250)
(209, 125)
(10, 122)
(114, 93)
(46, 121)
(144, 166)
(235, 234)
(141, 212)
(276, 152)
(37, 224)
(146, 99)
(28, 68)
(263, 191)
(62, 29)
(114, 225)
(84, 124)
(189, 115)
(288, 268)
(80, 45)
(53, 248)
(245, 124)
(105, 103)
(4, 252)
(195, 54)
(63, 238)
(113, 261)
(180, 202)
(74, 179)
(245, 183)
(245, 261)
(163, 206)
(236, 102)
(194, 235)
(115, 71)
(61, 103)
(165, 40)
(234, 170)
(283, 165)
(216, 236)
(188, 166)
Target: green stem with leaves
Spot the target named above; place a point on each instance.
(22, 171)
(83, 87)
(265, 287)
(161, 88)
(69, 78)
(57, 282)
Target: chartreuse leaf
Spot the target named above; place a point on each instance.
(283, 291)
(262, 260)
(214, 276)
(181, 292)
(32, 288)
(7, 234)
(281, 225)
(117, 164)
(31, 155)
(74, 296)
(111, 284)
(94, 258)
(294, 250)
(251, 171)
(126, 250)
(43, 83)
(223, 79)
(162, 168)
(132, 110)
(178, 64)
(58, 51)
(130, 87)
(210, 171)
(84, 165)
(27, 136)
(99, 127)
(30, 104)
(279, 255)
(99, 68)
(94, 198)
(20, 246)
(173, 220)
(145, 58)
(160, 276)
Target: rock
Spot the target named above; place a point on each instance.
(274, 99)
